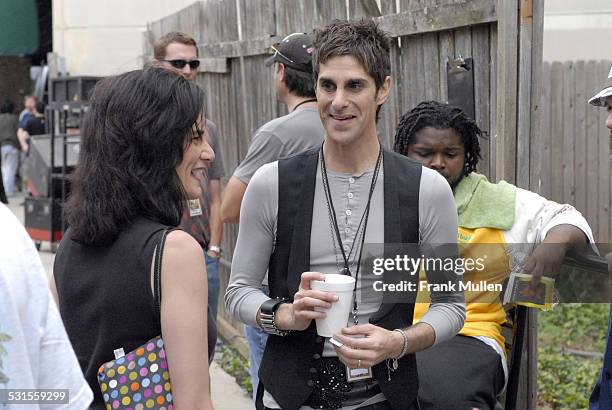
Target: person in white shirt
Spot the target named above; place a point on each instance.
(35, 352)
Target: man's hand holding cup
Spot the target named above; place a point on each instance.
(299, 314)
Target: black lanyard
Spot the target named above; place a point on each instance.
(304, 102)
(364, 221)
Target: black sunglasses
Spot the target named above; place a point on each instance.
(193, 64)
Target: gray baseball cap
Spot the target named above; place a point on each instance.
(599, 99)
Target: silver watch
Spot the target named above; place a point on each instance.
(215, 248)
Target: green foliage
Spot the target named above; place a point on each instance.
(3, 339)
(565, 381)
(236, 366)
(575, 325)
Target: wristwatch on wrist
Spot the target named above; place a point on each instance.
(215, 248)
(267, 317)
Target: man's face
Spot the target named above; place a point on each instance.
(180, 51)
(347, 99)
(441, 150)
(30, 104)
(608, 106)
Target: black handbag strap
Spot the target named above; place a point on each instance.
(159, 251)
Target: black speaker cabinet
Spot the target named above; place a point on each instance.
(38, 164)
(71, 88)
(43, 219)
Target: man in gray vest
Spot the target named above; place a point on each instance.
(297, 131)
(309, 215)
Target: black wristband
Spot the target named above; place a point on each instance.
(268, 316)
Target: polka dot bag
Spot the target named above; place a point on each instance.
(139, 380)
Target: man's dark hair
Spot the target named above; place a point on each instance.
(159, 48)
(362, 39)
(299, 82)
(441, 116)
(40, 107)
(132, 140)
(7, 107)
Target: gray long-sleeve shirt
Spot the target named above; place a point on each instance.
(257, 232)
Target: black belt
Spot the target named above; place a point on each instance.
(332, 391)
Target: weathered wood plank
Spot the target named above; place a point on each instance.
(567, 120)
(358, 9)
(507, 70)
(592, 145)
(544, 178)
(603, 139)
(214, 65)
(259, 18)
(431, 66)
(443, 17)
(413, 90)
(244, 48)
(446, 50)
(493, 103)
(556, 130)
(463, 42)
(388, 7)
(523, 142)
(392, 109)
(281, 18)
(537, 35)
(482, 86)
(579, 88)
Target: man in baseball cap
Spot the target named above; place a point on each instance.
(299, 130)
(294, 51)
(601, 398)
(602, 98)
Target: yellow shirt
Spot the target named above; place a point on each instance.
(484, 311)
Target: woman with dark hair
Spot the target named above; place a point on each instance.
(143, 153)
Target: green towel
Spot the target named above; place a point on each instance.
(482, 204)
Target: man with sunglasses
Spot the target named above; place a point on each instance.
(202, 219)
(297, 131)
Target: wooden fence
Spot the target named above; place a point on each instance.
(503, 38)
(571, 155)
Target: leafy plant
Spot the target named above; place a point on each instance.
(3, 339)
(236, 366)
(565, 381)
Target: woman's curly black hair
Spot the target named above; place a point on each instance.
(440, 116)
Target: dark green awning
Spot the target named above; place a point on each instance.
(18, 27)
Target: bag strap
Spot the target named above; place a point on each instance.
(157, 272)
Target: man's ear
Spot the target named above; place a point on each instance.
(383, 91)
(280, 70)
